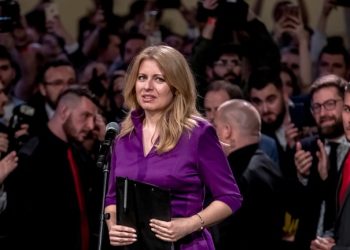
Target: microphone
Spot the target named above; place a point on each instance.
(112, 129)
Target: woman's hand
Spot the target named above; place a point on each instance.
(175, 229)
(122, 235)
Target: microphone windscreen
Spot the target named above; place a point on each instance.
(113, 126)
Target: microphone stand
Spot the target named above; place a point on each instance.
(105, 170)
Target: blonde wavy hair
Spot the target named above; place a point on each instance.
(181, 114)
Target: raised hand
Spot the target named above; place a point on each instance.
(302, 160)
(322, 166)
(292, 134)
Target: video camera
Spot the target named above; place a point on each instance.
(22, 114)
(9, 15)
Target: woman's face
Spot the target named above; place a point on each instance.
(152, 91)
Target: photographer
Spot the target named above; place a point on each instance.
(7, 165)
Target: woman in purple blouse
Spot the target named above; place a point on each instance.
(165, 142)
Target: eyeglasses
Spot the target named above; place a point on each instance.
(328, 105)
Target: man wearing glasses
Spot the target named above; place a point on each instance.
(318, 158)
(55, 77)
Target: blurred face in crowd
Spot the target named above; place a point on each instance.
(333, 64)
(326, 107)
(270, 104)
(153, 93)
(212, 100)
(113, 49)
(346, 115)
(7, 73)
(81, 120)
(132, 48)
(228, 67)
(56, 79)
(174, 41)
(291, 61)
(118, 87)
(97, 70)
(3, 99)
(50, 46)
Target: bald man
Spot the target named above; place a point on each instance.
(258, 223)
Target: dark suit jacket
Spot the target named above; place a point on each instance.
(315, 192)
(258, 223)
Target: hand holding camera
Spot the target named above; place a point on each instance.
(19, 124)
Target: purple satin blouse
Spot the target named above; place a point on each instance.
(196, 162)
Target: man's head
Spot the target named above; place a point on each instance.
(217, 93)
(334, 59)
(7, 68)
(327, 94)
(108, 46)
(227, 64)
(346, 112)
(266, 94)
(55, 77)
(237, 124)
(290, 59)
(133, 45)
(75, 116)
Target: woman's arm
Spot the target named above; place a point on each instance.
(178, 228)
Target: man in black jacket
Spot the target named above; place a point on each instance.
(52, 192)
(258, 223)
(340, 240)
(318, 159)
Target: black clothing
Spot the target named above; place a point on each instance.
(42, 198)
(258, 223)
(316, 191)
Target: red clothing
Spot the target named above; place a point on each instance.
(84, 225)
(345, 180)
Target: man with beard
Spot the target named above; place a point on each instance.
(52, 199)
(53, 79)
(340, 239)
(265, 92)
(318, 159)
(227, 64)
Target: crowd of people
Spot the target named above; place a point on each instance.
(248, 128)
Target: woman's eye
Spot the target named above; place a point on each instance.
(159, 79)
(141, 78)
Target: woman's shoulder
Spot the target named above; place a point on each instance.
(201, 125)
